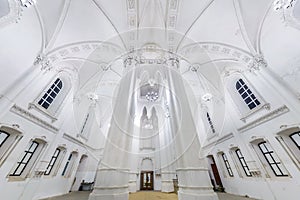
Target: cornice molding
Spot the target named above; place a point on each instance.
(31, 117)
(271, 115)
(85, 47)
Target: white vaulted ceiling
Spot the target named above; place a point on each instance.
(66, 30)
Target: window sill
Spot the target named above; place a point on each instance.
(15, 178)
(42, 111)
(82, 136)
(265, 106)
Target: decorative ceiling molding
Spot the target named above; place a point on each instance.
(240, 20)
(190, 27)
(59, 25)
(259, 33)
(14, 15)
(27, 3)
(219, 48)
(286, 10)
(171, 22)
(132, 16)
(85, 48)
(110, 21)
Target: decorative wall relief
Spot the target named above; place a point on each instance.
(10, 12)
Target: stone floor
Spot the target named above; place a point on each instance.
(143, 196)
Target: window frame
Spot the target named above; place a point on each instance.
(290, 136)
(237, 101)
(271, 154)
(5, 139)
(57, 104)
(51, 94)
(56, 159)
(20, 162)
(289, 145)
(7, 145)
(31, 162)
(68, 167)
(227, 165)
(245, 92)
(212, 128)
(242, 158)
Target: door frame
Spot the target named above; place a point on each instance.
(151, 180)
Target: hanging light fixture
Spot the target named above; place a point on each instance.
(152, 96)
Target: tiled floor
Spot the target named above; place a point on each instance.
(143, 196)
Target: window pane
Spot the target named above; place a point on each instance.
(241, 91)
(26, 158)
(296, 138)
(237, 85)
(276, 170)
(283, 171)
(244, 95)
(3, 137)
(238, 152)
(251, 106)
(33, 146)
(269, 158)
(56, 152)
(59, 85)
(248, 100)
(56, 89)
(20, 169)
(263, 147)
(49, 99)
(243, 162)
(53, 94)
(45, 105)
(257, 102)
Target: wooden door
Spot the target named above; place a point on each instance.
(147, 180)
(216, 172)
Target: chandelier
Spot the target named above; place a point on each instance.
(152, 96)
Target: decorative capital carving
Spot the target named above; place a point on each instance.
(194, 68)
(44, 62)
(27, 3)
(258, 61)
(173, 61)
(130, 60)
(286, 9)
(93, 97)
(283, 4)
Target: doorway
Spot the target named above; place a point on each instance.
(147, 180)
(216, 180)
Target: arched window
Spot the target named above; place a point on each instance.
(210, 123)
(247, 95)
(51, 94)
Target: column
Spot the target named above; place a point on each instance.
(113, 172)
(193, 178)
